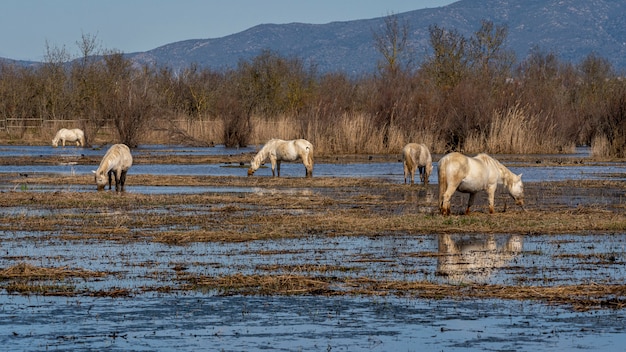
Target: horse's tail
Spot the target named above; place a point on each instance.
(408, 162)
(428, 168)
(309, 160)
(442, 178)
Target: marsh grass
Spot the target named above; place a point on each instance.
(320, 206)
(581, 297)
(514, 131)
(600, 146)
(25, 278)
(298, 208)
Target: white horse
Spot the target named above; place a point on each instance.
(116, 160)
(458, 172)
(278, 150)
(74, 135)
(417, 156)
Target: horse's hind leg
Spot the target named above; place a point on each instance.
(123, 180)
(445, 193)
(470, 201)
(406, 172)
(491, 193)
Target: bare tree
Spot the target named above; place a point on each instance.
(392, 43)
(487, 49)
(449, 62)
(129, 101)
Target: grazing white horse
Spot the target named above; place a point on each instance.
(278, 150)
(458, 172)
(117, 160)
(74, 135)
(417, 156)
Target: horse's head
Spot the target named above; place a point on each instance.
(516, 189)
(101, 181)
(55, 142)
(254, 165)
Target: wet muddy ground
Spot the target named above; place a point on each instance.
(352, 262)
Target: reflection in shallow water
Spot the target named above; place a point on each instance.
(474, 259)
(189, 320)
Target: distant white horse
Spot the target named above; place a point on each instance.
(74, 135)
(278, 150)
(417, 156)
(117, 160)
(458, 172)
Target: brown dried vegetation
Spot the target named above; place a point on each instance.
(299, 207)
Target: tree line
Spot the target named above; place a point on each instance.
(469, 94)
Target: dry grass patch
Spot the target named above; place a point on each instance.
(28, 271)
(580, 297)
(287, 208)
(286, 284)
(26, 279)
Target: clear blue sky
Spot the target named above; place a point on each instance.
(141, 25)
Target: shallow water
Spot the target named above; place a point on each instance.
(550, 260)
(199, 320)
(391, 171)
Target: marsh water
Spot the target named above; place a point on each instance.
(151, 319)
(388, 170)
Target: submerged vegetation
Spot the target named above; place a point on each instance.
(298, 208)
(469, 95)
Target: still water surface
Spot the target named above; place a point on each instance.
(391, 171)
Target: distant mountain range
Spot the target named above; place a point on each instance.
(572, 29)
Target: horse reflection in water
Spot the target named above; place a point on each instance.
(474, 259)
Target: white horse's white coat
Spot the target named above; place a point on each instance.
(117, 160)
(278, 150)
(458, 172)
(74, 135)
(417, 156)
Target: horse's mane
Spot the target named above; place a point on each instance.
(262, 155)
(506, 175)
(115, 153)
